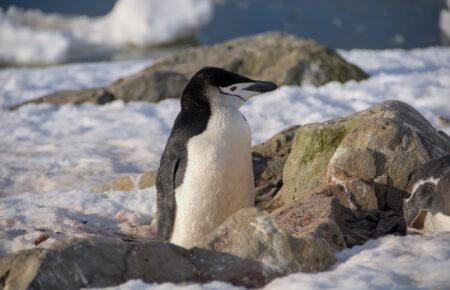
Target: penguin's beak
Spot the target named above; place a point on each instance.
(261, 87)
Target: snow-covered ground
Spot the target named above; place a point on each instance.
(30, 36)
(52, 155)
(48, 148)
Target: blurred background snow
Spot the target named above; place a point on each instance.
(52, 31)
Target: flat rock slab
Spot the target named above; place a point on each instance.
(103, 262)
(278, 57)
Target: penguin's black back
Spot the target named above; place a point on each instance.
(191, 121)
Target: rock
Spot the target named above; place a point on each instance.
(372, 153)
(427, 209)
(128, 182)
(268, 163)
(252, 234)
(103, 262)
(326, 215)
(316, 217)
(279, 57)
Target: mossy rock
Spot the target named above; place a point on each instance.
(372, 153)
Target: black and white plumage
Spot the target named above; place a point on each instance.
(205, 174)
(427, 209)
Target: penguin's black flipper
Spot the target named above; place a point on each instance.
(169, 176)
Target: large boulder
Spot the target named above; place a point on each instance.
(279, 57)
(372, 154)
(103, 262)
(252, 234)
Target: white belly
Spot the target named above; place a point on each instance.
(218, 180)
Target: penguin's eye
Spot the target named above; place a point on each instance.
(233, 88)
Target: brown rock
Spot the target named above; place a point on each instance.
(252, 234)
(128, 182)
(329, 215)
(316, 217)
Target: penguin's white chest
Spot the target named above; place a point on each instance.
(218, 180)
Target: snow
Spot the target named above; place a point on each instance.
(47, 148)
(22, 84)
(409, 263)
(52, 155)
(71, 214)
(31, 36)
(140, 285)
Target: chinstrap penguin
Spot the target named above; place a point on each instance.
(427, 209)
(205, 174)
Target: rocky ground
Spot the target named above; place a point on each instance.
(321, 187)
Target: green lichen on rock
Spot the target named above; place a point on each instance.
(372, 152)
(312, 149)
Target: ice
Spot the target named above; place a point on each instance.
(34, 37)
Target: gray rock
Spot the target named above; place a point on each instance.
(372, 154)
(275, 56)
(254, 235)
(103, 262)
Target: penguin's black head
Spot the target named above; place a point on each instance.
(421, 198)
(215, 86)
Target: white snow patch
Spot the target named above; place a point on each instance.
(69, 214)
(140, 285)
(22, 84)
(48, 148)
(31, 36)
(412, 262)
